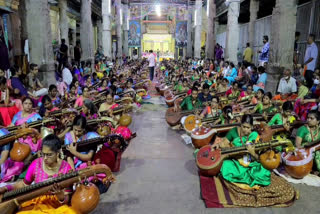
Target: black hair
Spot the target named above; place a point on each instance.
(266, 37)
(184, 80)
(226, 110)
(42, 109)
(94, 74)
(268, 94)
(225, 79)
(247, 118)
(248, 44)
(312, 36)
(315, 113)
(286, 106)
(28, 98)
(63, 41)
(205, 86)
(261, 69)
(51, 87)
(195, 89)
(3, 81)
(297, 33)
(53, 142)
(81, 121)
(91, 107)
(261, 90)
(235, 82)
(32, 66)
(130, 80)
(196, 84)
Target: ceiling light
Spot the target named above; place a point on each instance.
(158, 9)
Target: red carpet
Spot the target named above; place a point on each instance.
(209, 192)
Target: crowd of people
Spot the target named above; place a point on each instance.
(223, 105)
(53, 126)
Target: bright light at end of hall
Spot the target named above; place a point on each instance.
(158, 9)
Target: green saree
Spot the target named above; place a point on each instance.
(233, 171)
(305, 133)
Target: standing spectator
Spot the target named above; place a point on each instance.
(247, 55)
(310, 60)
(63, 54)
(219, 53)
(264, 53)
(4, 53)
(77, 53)
(151, 60)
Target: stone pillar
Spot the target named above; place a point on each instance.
(99, 27)
(197, 33)
(126, 14)
(63, 20)
(74, 38)
(189, 31)
(233, 31)
(282, 41)
(106, 28)
(211, 33)
(86, 31)
(119, 22)
(39, 36)
(254, 8)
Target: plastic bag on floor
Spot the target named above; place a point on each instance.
(186, 138)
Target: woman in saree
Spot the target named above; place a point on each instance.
(80, 100)
(48, 165)
(248, 95)
(233, 92)
(232, 74)
(109, 104)
(226, 117)
(104, 85)
(26, 115)
(265, 106)
(7, 108)
(78, 134)
(223, 87)
(212, 110)
(262, 79)
(47, 106)
(309, 133)
(89, 110)
(245, 179)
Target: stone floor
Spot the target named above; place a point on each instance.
(159, 176)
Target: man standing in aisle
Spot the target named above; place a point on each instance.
(310, 60)
(151, 59)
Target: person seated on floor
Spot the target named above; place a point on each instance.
(309, 133)
(223, 87)
(41, 169)
(234, 91)
(245, 178)
(205, 97)
(287, 87)
(211, 110)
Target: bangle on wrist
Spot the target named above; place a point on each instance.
(64, 200)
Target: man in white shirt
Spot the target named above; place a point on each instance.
(66, 74)
(152, 62)
(310, 60)
(287, 84)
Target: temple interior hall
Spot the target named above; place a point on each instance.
(159, 106)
